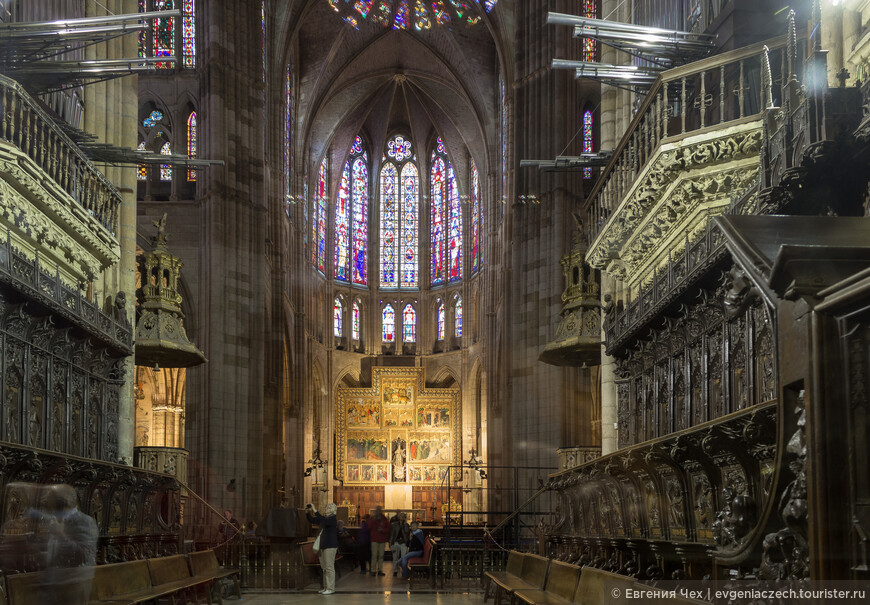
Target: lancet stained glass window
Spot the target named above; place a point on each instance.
(318, 216)
(475, 219)
(440, 322)
(587, 140)
(400, 194)
(409, 324)
(191, 143)
(389, 324)
(589, 43)
(354, 321)
(164, 33)
(336, 315)
(457, 319)
(351, 218)
(166, 169)
(446, 219)
(188, 35)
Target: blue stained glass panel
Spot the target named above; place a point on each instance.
(399, 149)
(389, 226)
(457, 319)
(403, 16)
(152, 119)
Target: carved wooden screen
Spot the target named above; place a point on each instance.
(699, 366)
(398, 431)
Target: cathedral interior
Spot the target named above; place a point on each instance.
(605, 296)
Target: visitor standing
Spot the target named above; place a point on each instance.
(400, 536)
(328, 542)
(379, 526)
(364, 544)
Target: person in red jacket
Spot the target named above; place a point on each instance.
(379, 527)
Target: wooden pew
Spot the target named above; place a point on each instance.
(532, 577)
(426, 563)
(560, 588)
(171, 575)
(128, 582)
(204, 564)
(596, 585)
(70, 585)
(512, 572)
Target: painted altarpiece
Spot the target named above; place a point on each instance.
(398, 431)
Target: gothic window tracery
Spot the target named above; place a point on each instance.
(587, 139)
(400, 186)
(351, 218)
(446, 219)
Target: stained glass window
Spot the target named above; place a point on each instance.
(389, 226)
(342, 224)
(263, 38)
(288, 131)
(454, 225)
(389, 324)
(166, 169)
(164, 33)
(410, 202)
(440, 324)
(457, 319)
(587, 140)
(188, 35)
(446, 219)
(142, 173)
(589, 43)
(403, 16)
(191, 143)
(143, 33)
(336, 316)
(504, 144)
(318, 215)
(360, 193)
(475, 219)
(354, 321)
(409, 324)
(438, 180)
(400, 195)
(153, 118)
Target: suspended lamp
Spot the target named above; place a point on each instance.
(412, 14)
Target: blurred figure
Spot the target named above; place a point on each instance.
(363, 543)
(71, 547)
(379, 527)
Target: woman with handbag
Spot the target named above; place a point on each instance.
(326, 543)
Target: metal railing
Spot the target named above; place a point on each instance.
(24, 124)
(700, 97)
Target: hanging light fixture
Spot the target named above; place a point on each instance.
(412, 14)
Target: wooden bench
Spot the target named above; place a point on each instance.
(512, 572)
(128, 582)
(595, 586)
(171, 575)
(533, 576)
(204, 564)
(424, 563)
(560, 588)
(70, 585)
